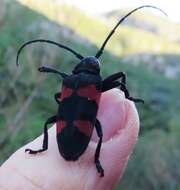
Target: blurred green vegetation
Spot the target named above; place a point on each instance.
(129, 37)
(145, 20)
(26, 97)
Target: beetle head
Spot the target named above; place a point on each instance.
(88, 64)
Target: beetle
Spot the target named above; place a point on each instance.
(79, 100)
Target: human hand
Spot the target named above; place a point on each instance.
(49, 171)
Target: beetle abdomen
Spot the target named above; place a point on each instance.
(73, 139)
(75, 126)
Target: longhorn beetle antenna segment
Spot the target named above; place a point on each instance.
(51, 70)
(50, 42)
(99, 53)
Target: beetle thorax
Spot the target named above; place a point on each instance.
(88, 64)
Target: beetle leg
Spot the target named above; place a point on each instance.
(127, 95)
(100, 135)
(45, 140)
(57, 96)
(51, 70)
(116, 76)
(114, 84)
(110, 85)
(111, 82)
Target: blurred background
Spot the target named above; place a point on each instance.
(146, 47)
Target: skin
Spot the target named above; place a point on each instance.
(48, 170)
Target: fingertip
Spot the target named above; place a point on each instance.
(120, 124)
(110, 113)
(116, 152)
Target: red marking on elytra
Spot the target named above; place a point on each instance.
(90, 92)
(66, 92)
(84, 127)
(60, 125)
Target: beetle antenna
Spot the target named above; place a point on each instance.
(51, 70)
(99, 53)
(50, 42)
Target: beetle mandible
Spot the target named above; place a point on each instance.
(78, 101)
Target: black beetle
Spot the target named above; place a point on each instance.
(79, 100)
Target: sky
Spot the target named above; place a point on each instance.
(171, 7)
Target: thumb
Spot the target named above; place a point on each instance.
(120, 123)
